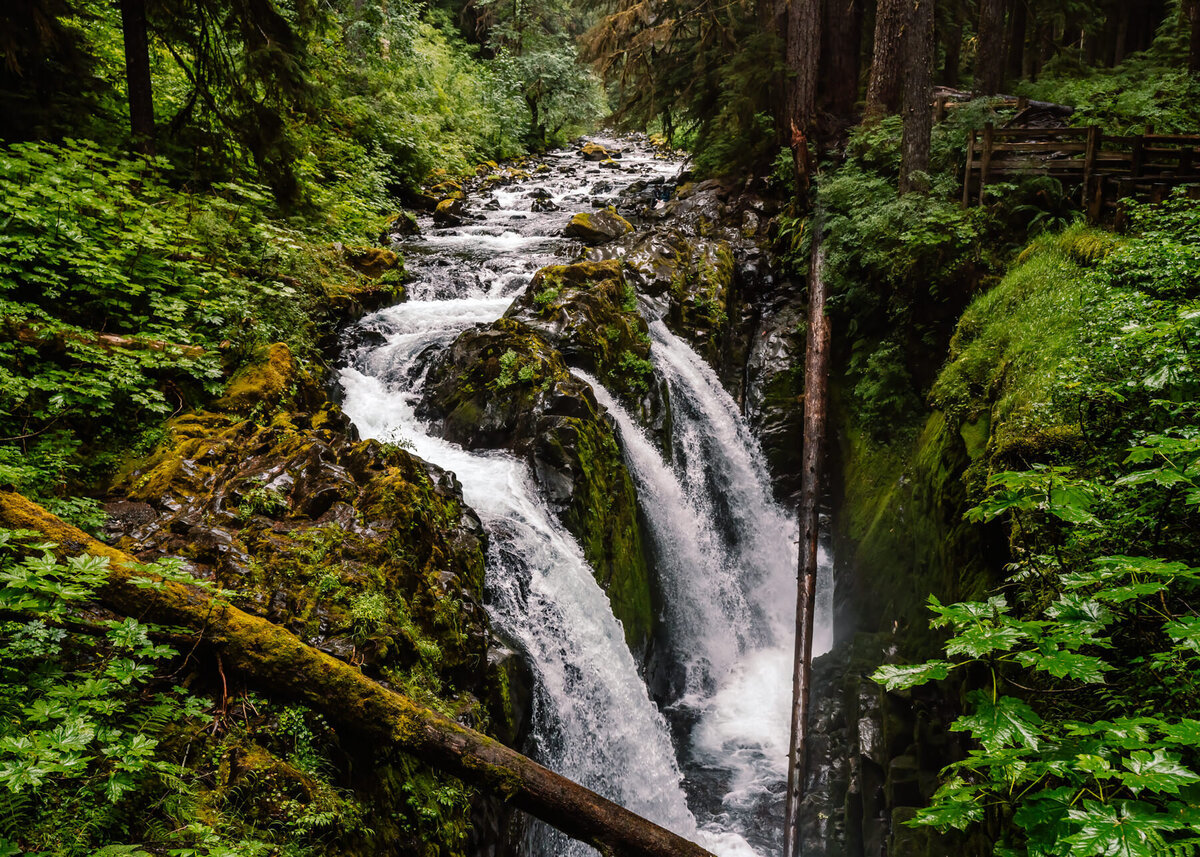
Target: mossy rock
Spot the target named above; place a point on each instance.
(263, 384)
(598, 227)
(449, 212)
(362, 550)
(590, 314)
(371, 262)
(593, 152)
(503, 386)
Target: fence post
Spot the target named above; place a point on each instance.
(966, 200)
(1089, 161)
(986, 159)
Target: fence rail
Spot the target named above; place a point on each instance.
(1104, 168)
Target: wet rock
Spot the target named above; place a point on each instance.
(504, 386)
(361, 549)
(399, 226)
(546, 204)
(598, 228)
(594, 152)
(591, 315)
(449, 212)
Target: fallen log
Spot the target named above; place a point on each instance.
(816, 387)
(276, 660)
(59, 338)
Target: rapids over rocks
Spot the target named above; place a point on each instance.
(691, 733)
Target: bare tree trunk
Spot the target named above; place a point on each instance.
(804, 63)
(884, 85)
(918, 93)
(816, 386)
(952, 40)
(989, 61)
(840, 59)
(1018, 23)
(274, 659)
(137, 75)
(1191, 11)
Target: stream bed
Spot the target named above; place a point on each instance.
(706, 756)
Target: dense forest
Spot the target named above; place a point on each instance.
(233, 623)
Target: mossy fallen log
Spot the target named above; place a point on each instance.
(275, 660)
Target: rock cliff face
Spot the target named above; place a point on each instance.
(703, 264)
(363, 550)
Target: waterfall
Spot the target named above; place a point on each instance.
(726, 558)
(593, 719)
(725, 552)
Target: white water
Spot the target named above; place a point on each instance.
(726, 557)
(724, 550)
(543, 596)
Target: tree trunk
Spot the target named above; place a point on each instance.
(918, 92)
(137, 75)
(989, 60)
(884, 85)
(816, 386)
(1018, 22)
(1191, 11)
(275, 660)
(952, 41)
(840, 59)
(803, 55)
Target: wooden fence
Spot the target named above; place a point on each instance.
(1102, 168)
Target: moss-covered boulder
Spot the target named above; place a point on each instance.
(503, 386)
(590, 314)
(598, 227)
(372, 262)
(593, 152)
(449, 212)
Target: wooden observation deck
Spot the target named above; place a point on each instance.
(1103, 169)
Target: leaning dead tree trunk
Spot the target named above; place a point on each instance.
(277, 660)
(816, 387)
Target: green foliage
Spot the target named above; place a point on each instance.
(1084, 704)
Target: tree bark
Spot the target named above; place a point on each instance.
(803, 56)
(1018, 23)
(1191, 12)
(275, 660)
(137, 75)
(816, 386)
(840, 59)
(887, 59)
(989, 60)
(918, 92)
(952, 41)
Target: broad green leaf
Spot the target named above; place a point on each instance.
(1060, 664)
(1122, 829)
(1185, 631)
(982, 639)
(900, 677)
(1006, 721)
(1158, 771)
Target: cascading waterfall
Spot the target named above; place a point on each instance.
(724, 549)
(725, 555)
(542, 595)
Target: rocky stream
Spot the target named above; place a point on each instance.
(604, 455)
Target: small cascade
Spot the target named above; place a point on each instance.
(593, 720)
(726, 557)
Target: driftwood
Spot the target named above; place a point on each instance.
(816, 389)
(276, 660)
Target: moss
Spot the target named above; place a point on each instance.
(262, 383)
(590, 312)
(373, 262)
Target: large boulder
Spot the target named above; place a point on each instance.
(594, 152)
(504, 386)
(598, 227)
(591, 315)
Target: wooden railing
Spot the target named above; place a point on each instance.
(1104, 168)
